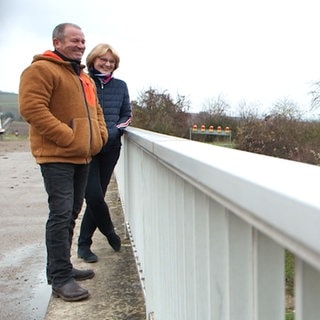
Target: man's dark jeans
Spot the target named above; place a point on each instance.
(97, 212)
(65, 185)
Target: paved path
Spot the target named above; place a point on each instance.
(115, 291)
(24, 293)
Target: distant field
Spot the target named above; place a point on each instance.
(9, 103)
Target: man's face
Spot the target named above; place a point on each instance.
(73, 44)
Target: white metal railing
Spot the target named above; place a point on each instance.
(210, 226)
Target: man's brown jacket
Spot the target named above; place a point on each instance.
(62, 108)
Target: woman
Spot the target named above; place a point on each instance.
(113, 95)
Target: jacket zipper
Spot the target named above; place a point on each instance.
(102, 95)
(88, 114)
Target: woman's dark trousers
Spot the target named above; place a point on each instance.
(97, 213)
(65, 185)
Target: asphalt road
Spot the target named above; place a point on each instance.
(24, 293)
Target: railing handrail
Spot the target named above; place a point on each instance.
(261, 206)
(291, 184)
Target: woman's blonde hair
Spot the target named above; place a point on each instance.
(100, 50)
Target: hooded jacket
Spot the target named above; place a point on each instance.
(62, 108)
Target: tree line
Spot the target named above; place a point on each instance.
(281, 132)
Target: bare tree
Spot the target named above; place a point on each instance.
(247, 111)
(216, 106)
(315, 95)
(158, 111)
(286, 108)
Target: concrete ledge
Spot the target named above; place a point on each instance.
(115, 291)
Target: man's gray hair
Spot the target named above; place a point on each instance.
(58, 31)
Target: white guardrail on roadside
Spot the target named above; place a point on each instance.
(210, 226)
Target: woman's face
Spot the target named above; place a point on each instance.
(105, 64)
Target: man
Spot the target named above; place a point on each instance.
(67, 128)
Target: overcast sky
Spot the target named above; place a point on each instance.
(243, 50)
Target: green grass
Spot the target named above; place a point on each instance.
(223, 144)
(289, 271)
(289, 274)
(12, 137)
